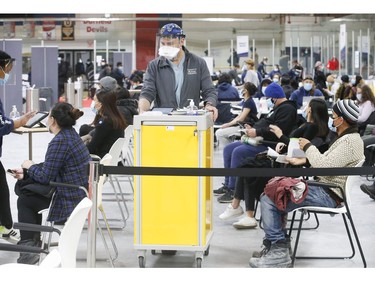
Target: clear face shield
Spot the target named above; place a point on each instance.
(9, 78)
(169, 46)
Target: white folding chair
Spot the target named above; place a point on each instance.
(127, 156)
(66, 252)
(115, 152)
(106, 160)
(343, 210)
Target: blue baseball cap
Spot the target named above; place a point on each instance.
(171, 30)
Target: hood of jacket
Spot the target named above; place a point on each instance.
(224, 86)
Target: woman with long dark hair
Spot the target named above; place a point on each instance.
(109, 124)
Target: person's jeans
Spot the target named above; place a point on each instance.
(234, 153)
(273, 219)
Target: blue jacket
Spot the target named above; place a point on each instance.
(298, 95)
(226, 91)
(159, 82)
(6, 125)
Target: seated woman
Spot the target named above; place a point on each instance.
(366, 102)
(315, 129)
(248, 114)
(248, 189)
(345, 151)
(109, 124)
(65, 161)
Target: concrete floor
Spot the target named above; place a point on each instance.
(229, 247)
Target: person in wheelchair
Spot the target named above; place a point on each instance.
(66, 161)
(345, 151)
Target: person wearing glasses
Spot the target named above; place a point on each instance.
(6, 126)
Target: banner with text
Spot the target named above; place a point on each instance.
(342, 44)
(243, 46)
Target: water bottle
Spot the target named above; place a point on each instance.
(14, 114)
(252, 141)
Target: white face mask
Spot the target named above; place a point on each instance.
(168, 52)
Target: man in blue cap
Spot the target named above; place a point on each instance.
(176, 76)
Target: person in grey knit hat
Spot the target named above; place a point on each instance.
(348, 110)
(345, 151)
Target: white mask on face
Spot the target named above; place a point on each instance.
(168, 52)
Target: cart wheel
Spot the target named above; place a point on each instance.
(207, 251)
(153, 252)
(199, 262)
(141, 261)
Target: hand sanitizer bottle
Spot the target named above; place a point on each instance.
(192, 109)
(14, 114)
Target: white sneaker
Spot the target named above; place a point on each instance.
(231, 213)
(11, 235)
(246, 222)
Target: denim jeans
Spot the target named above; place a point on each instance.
(273, 219)
(234, 153)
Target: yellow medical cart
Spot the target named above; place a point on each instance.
(173, 212)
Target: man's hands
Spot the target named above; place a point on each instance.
(249, 131)
(212, 109)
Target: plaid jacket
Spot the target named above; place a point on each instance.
(66, 161)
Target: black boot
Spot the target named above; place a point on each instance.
(29, 258)
(369, 190)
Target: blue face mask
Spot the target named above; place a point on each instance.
(352, 81)
(93, 107)
(307, 86)
(304, 114)
(5, 79)
(264, 90)
(269, 103)
(330, 125)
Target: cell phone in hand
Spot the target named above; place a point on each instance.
(11, 172)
